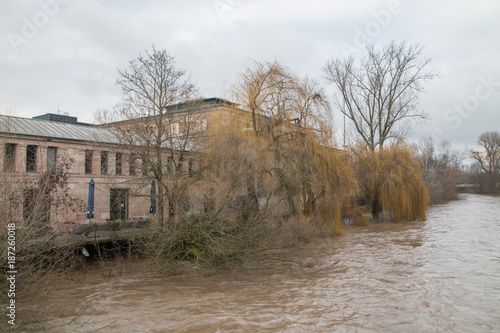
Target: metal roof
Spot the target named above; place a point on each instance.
(55, 130)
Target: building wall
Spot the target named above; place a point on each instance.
(78, 180)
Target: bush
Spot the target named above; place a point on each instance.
(203, 239)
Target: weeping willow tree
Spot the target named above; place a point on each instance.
(335, 185)
(291, 118)
(235, 167)
(392, 182)
(317, 179)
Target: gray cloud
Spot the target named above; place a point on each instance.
(70, 62)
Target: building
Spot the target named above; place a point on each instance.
(29, 147)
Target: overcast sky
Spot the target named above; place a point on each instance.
(63, 55)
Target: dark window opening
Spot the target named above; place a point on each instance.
(118, 164)
(88, 161)
(171, 209)
(209, 201)
(169, 165)
(131, 165)
(36, 205)
(118, 204)
(28, 204)
(9, 161)
(104, 162)
(31, 158)
(190, 169)
(180, 164)
(145, 169)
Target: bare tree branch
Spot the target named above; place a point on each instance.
(379, 95)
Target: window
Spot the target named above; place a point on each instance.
(169, 165)
(118, 164)
(174, 129)
(104, 162)
(260, 185)
(180, 166)
(36, 205)
(144, 168)
(31, 158)
(118, 204)
(131, 165)
(51, 157)
(29, 199)
(190, 168)
(9, 157)
(88, 161)
(201, 125)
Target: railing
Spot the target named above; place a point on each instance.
(104, 231)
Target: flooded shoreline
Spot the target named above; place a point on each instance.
(433, 276)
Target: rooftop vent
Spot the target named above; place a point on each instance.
(61, 118)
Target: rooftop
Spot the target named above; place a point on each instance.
(66, 127)
(51, 129)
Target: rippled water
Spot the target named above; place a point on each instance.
(436, 276)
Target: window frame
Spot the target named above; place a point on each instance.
(31, 158)
(118, 164)
(104, 162)
(89, 157)
(51, 162)
(9, 157)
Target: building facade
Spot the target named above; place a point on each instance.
(30, 147)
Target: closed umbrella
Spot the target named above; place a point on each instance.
(152, 208)
(90, 202)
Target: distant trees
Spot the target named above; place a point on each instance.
(442, 169)
(379, 94)
(486, 169)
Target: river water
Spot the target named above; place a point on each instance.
(440, 275)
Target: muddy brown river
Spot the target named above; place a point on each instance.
(442, 275)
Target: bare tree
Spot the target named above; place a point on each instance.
(488, 162)
(32, 206)
(150, 122)
(379, 94)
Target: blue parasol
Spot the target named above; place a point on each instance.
(152, 208)
(90, 202)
